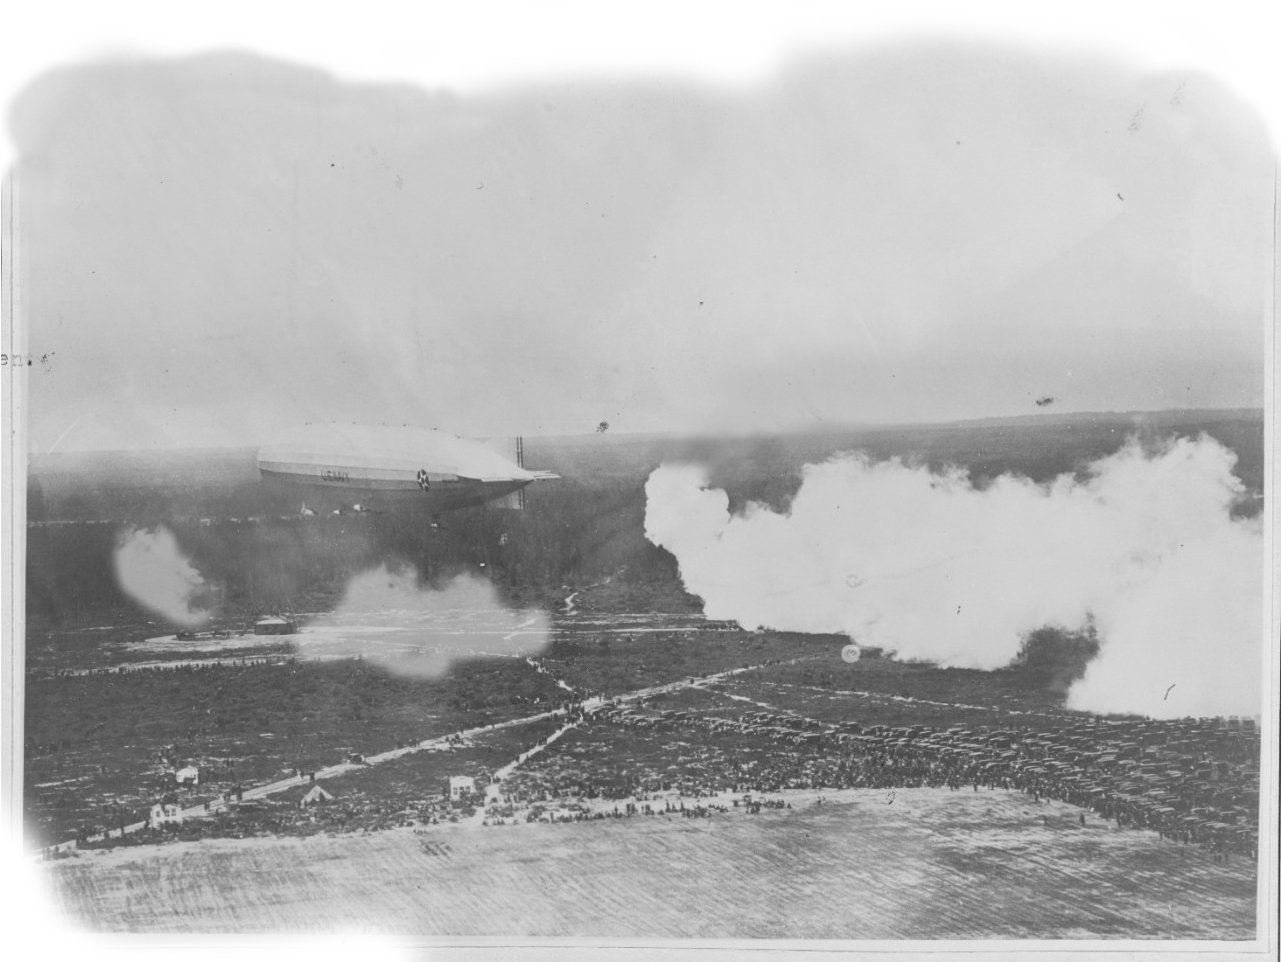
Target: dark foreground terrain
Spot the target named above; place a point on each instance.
(696, 781)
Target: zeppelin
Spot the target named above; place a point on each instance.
(358, 468)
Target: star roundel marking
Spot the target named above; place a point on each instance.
(423, 482)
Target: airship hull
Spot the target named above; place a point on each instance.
(389, 469)
(381, 495)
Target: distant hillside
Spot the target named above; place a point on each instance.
(1041, 447)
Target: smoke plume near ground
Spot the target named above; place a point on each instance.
(417, 630)
(931, 567)
(153, 570)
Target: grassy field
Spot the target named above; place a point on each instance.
(894, 698)
(918, 864)
(99, 746)
(94, 741)
(614, 659)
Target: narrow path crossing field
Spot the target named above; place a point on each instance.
(332, 771)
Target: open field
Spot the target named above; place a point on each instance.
(917, 863)
(99, 746)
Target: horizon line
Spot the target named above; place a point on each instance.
(799, 429)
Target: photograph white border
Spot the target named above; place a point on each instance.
(497, 44)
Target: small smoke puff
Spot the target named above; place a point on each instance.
(931, 567)
(387, 616)
(152, 569)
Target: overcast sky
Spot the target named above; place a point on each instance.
(213, 249)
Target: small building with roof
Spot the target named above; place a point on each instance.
(165, 813)
(275, 625)
(461, 787)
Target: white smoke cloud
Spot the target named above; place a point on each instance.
(934, 568)
(153, 570)
(416, 630)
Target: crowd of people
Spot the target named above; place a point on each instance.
(1192, 781)
(507, 813)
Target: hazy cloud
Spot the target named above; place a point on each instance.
(220, 247)
(388, 616)
(932, 567)
(154, 571)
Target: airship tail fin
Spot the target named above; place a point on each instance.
(513, 449)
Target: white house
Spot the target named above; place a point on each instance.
(165, 813)
(187, 776)
(460, 787)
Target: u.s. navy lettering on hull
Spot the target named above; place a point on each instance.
(339, 476)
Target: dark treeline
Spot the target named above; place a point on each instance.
(571, 533)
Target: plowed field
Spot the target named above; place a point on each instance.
(865, 864)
